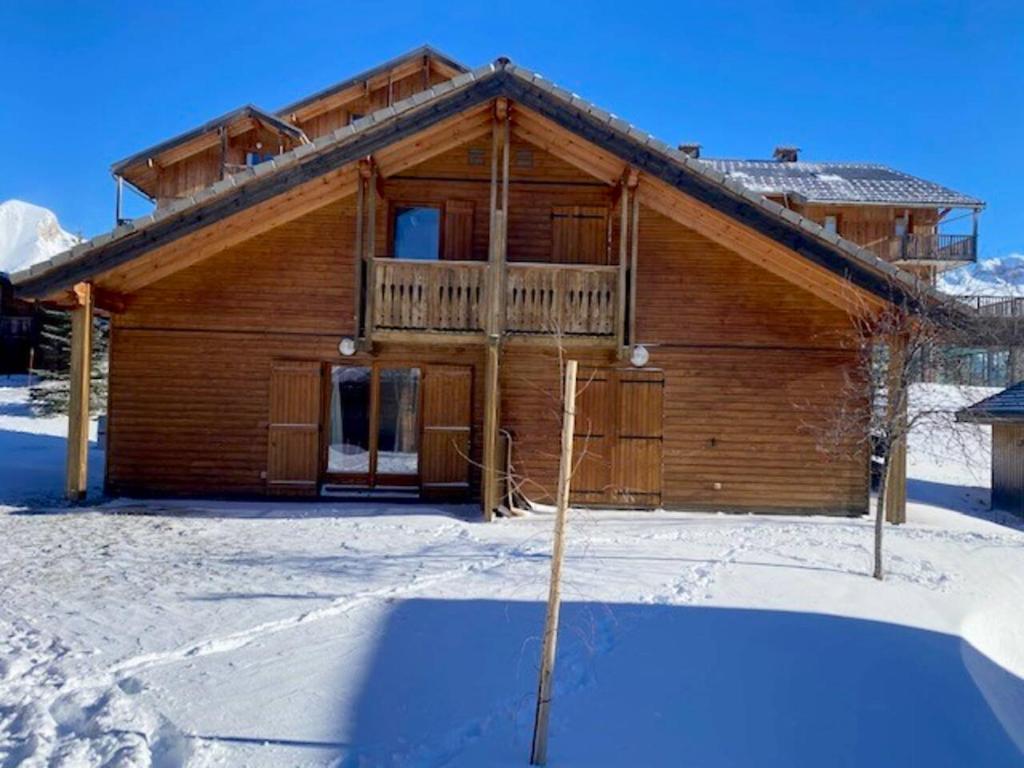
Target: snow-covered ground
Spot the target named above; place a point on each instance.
(278, 633)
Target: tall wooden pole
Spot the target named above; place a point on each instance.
(896, 495)
(494, 322)
(539, 753)
(77, 475)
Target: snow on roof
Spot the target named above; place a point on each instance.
(857, 183)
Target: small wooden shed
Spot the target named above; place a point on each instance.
(1005, 412)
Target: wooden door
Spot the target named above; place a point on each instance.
(447, 414)
(293, 439)
(618, 441)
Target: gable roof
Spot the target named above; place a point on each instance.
(415, 53)
(1007, 405)
(248, 110)
(840, 183)
(425, 109)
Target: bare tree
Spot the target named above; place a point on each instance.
(873, 411)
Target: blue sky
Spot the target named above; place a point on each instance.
(932, 88)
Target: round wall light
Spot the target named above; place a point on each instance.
(639, 357)
(347, 347)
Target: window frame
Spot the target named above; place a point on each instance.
(393, 209)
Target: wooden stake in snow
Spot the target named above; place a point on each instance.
(539, 753)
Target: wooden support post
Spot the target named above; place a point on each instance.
(634, 256)
(896, 492)
(359, 257)
(620, 320)
(370, 238)
(539, 753)
(77, 480)
(494, 321)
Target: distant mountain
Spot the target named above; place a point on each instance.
(29, 234)
(997, 276)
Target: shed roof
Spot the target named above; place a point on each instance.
(1007, 405)
(841, 183)
(407, 117)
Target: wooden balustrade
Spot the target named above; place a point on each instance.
(572, 300)
(429, 295)
(451, 296)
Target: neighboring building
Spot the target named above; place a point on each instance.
(18, 330)
(1005, 412)
(898, 216)
(377, 306)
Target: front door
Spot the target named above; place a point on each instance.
(391, 425)
(373, 433)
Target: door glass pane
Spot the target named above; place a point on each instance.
(417, 233)
(349, 449)
(398, 435)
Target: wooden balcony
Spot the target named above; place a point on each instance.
(928, 247)
(450, 297)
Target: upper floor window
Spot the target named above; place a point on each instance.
(831, 224)
(417, 232)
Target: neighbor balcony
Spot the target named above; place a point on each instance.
(450, 298)
(928, 247)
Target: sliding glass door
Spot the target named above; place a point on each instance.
(374, 425)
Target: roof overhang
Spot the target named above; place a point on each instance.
(332, 156)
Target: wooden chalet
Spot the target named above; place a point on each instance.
(1004, 412)
(383, 301)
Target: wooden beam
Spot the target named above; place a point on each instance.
(620, 320)
(371, 249)
(634, 263)
(77, 470)
(495, 301)
(359, 256)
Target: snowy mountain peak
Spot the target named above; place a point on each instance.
(29, 234)
(997, 276)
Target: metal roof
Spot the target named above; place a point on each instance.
(1007, 405)
(648, 154)
(840, 183)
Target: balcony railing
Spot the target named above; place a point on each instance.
(928, 246)
(451, 296)
(578, 300)
(429, 295)
(995, 306)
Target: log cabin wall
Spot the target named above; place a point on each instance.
(751, 363)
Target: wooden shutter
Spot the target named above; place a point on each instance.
(592, 444)
(293, 439)
(636, 463)
(458, 230)
(579, 235)
(447, 414)
(617, 452)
